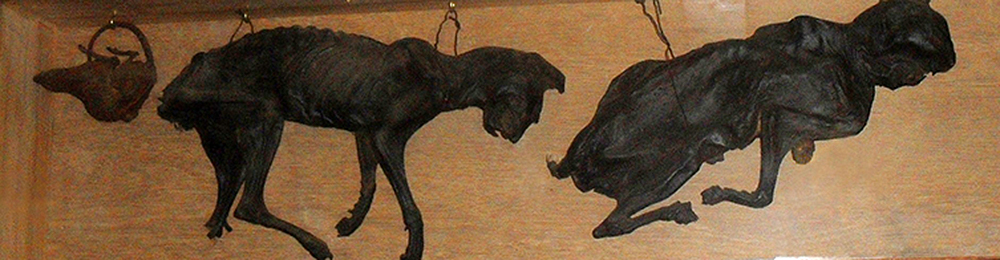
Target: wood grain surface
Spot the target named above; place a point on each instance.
(97, 12)
(920, 181)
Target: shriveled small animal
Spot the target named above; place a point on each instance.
(789, 84)
(238, 97)
(109, 89)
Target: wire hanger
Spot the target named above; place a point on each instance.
(453, 16)
(669, 53)
(244, 19)
(657, 25)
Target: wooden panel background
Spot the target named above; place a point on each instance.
(919, 181)
(24, 135)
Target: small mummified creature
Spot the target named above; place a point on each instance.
(110, 90)
(237, 97)
(789, 84)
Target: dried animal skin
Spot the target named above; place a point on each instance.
(237, 97)
(110, 90)
(789, 84)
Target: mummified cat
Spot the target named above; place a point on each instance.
(789, 84)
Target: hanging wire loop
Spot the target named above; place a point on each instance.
(669, 53)
(244, 19)
(657, 25)
(452, 15)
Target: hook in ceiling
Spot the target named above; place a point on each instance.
(120, 4)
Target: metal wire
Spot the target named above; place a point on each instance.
(669, 53)
(453, 16)
(657, 25)
(244, 19)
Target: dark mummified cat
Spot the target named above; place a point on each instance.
(789, 84)
(238, 97)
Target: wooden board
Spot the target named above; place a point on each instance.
(98, 12)
(920, 181)
(24, 136)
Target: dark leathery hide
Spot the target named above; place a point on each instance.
(237, 97)
(789, 84)
(111, 90)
